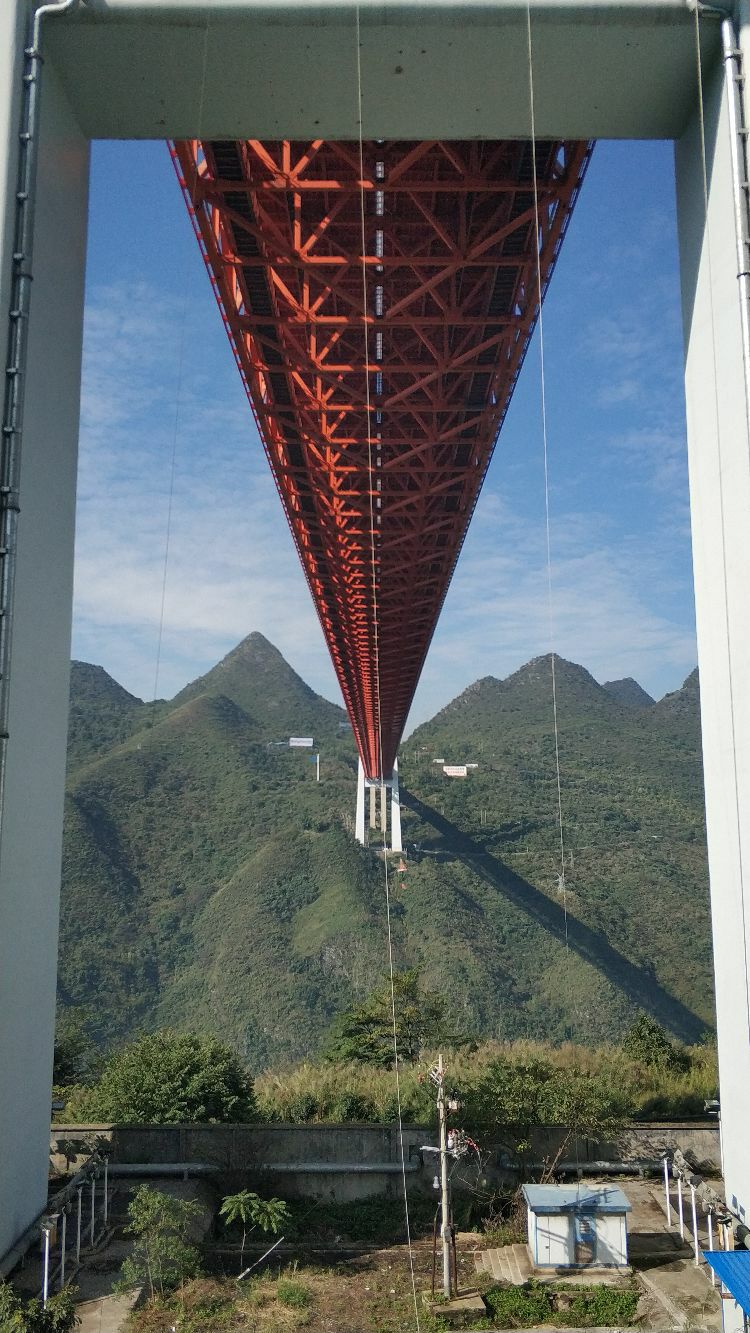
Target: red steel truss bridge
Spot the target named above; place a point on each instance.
(379, 302)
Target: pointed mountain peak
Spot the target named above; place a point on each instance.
(257, 678)
(628, 692)
(684, 700)
(102, 713)
(538, 672)
(95, 685)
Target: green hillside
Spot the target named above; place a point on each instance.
(210, 882)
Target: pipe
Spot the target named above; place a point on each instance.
(636, 1168)
(16, 354)
(732, 57)
(63, 1243)
(125, 1170)
(695, 1226)
(45, 1278)
(666, 1193)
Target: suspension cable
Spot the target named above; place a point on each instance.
(376, 645)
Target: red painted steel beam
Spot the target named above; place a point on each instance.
(379, 380)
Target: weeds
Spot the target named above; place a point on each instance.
(330, 1092)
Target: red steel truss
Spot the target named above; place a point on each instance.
(379, 307)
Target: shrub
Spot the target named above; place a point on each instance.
(171, 1078)
(353, 1106)
(161, 1258)
(57, 1316)
(303, 1108)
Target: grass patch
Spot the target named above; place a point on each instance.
(294, 1294)
(579, 1307)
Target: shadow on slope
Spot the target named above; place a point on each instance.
(638, 986)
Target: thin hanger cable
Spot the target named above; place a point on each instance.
(545, 450)
(177, 406)
(383, 789)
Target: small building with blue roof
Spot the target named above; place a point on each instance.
(732, 1267)
(577, 1226)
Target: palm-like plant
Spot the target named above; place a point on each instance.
(252, 1211)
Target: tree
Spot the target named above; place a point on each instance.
(524, 1094)
(648, 1042)
(76, 1057)
(365, 1032)
(162, 1257)
(250, 1210)
(171, 1078)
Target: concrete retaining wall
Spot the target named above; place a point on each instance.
(355, 1160)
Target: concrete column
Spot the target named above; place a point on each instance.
(30, 847)
(359, 821)
(373, 807)
(383, 794)
(395, 812)
(719, 468)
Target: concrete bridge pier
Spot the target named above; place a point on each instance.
(719, 467)
(373, 786)
(31, 830)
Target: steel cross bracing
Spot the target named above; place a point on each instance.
(379, 486)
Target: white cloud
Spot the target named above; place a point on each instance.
(232, 566)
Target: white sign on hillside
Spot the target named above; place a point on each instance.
(454, 770)
(301, 742)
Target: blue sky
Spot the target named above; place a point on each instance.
(159, 380)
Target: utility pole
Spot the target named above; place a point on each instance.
(444, 1201)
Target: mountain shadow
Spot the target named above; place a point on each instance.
(639, 986)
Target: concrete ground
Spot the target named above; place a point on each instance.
(106, 1314)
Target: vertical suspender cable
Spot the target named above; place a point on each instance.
(550, 616)
(394, 1025)
(176, 419)
(717, 421)
(17, 355)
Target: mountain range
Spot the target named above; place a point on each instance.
(210, 882)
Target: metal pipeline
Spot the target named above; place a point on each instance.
(732, 56)
(16, 355)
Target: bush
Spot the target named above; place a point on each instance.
(353, 1106)
(647, 1042)
(303, 1108)
(17, 1316)
(161, 1258)
(171, 1078)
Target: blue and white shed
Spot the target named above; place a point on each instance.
(577, 1226)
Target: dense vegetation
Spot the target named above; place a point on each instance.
(210, 883)
(637, 1088)
(175, 1078)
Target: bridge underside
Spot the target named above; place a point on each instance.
(379, 308)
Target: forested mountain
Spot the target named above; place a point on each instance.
(209, 881)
